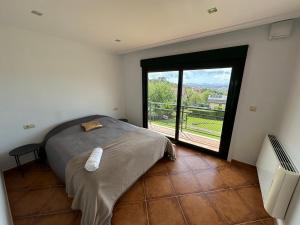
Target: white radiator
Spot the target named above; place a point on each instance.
(277, 175)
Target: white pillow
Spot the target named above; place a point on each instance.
(93, 161)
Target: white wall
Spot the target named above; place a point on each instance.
(5, 214)
(46, 80)
(289, 135)
(265, 83)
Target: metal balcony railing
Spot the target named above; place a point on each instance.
(198, 120)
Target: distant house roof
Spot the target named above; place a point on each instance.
(219, 99)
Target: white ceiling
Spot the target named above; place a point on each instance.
(142, 23)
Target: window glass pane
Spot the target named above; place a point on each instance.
(204, 97)
(162, 101)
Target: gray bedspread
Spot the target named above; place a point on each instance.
(129, 152)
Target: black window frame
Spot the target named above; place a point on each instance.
(234, 57)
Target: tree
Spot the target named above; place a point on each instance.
(162, 97)
(205, 94)
(161, 91)
(191, 97)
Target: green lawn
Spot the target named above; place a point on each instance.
(201, 126)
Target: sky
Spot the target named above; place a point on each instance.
(219, 76)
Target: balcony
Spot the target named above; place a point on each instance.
(200, 126)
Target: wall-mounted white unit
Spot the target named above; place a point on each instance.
(281, 29)
(277, 175)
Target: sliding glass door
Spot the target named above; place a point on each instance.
(203, 103)
(192, 98)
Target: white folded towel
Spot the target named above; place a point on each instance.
(93, 161)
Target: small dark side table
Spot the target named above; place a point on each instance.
(23, 150)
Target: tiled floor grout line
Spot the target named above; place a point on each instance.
(75, 219)
(182, 211)
(35, 216)
(221, 217)
(147, 212)
(177, 199)
(35, 188)
(63, 211)
(223, 189)
(198, 192)
(146, 203)
(246, 203)
(39, 212)
(263, 220)
(46, 201)
(253, 221)
(177, 196)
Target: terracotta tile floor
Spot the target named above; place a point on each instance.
(196, 189)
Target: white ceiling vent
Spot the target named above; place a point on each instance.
(281, 29)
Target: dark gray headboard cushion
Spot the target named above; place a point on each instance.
(64, 126)
(68, 124)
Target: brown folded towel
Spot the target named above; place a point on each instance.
(91, 125)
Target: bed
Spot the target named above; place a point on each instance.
(129, 151)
